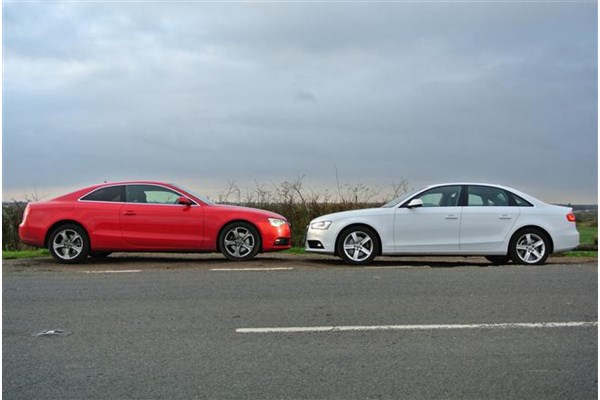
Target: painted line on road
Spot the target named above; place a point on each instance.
(250, 269)
(528, 325)
(124, 271)
(399, 267)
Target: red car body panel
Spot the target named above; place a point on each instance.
(122, 226)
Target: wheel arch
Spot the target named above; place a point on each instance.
(356, 225)
(65, 222)
(538, 228)
(233, 221)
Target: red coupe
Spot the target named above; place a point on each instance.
(149, 217)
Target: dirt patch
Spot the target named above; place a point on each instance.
(144, 261)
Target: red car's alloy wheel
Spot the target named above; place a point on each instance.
(69, 244)
(240, 241)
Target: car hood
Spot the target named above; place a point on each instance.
(256, 211)
(346, 214)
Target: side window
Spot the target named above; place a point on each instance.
(111, 193)
(521, 202)
(485, 196)
(445, 196)
(151, 194)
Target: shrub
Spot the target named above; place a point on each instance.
(12, 214)
(289, 198)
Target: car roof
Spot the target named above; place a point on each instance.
(80, 192)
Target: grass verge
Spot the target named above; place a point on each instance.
(11, 255)
(580, 253)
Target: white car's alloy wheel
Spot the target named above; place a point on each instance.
(529, 247)
(358, 245)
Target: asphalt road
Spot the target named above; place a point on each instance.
(173, 327)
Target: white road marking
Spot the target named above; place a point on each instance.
(398, 267)
(528, 325)
(250, 269)
(123, 271)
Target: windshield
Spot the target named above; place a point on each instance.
(203, 198)
(398, 200)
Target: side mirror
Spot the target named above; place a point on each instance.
(184, 201)
(414, 203)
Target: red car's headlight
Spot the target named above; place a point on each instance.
(276, 222)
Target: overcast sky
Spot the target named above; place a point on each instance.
(205, 93)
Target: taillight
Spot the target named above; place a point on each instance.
(571, 217)
(25, 214)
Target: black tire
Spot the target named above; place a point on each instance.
(69, 244)
(498, 260)
(529, 246)
(239, 241)
(357, 245)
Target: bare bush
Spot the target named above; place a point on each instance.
(12, 214)
(291, 198)
(300, 204)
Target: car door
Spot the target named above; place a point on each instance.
(432, 228)
(487, 219)
(152, 219)
(99, 211)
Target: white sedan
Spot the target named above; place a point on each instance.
(494, 221)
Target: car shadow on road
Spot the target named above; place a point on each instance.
(280, 260)
(268, 260)
(441, 263)
(117, 259)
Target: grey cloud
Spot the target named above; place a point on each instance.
(430, 92)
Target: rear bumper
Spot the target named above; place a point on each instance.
(566, 240)
(32, 236)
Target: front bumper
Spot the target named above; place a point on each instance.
(276, 238)
(319, 241)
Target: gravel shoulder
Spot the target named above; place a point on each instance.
(143, 261)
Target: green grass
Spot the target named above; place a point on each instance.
(587, 234)
(11, 255)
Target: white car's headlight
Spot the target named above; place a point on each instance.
(322, 225)
(276, 222)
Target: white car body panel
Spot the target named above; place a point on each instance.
(487, 229)
(460, 230)
(430, 230)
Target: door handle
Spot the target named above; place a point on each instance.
(129, 212)
(451, 216)
(505, 217)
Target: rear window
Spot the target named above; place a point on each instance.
(520, 201)
(112, 194)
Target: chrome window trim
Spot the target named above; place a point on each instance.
(81, 199)
(194, 203)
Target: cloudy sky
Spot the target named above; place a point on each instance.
(203, 93)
